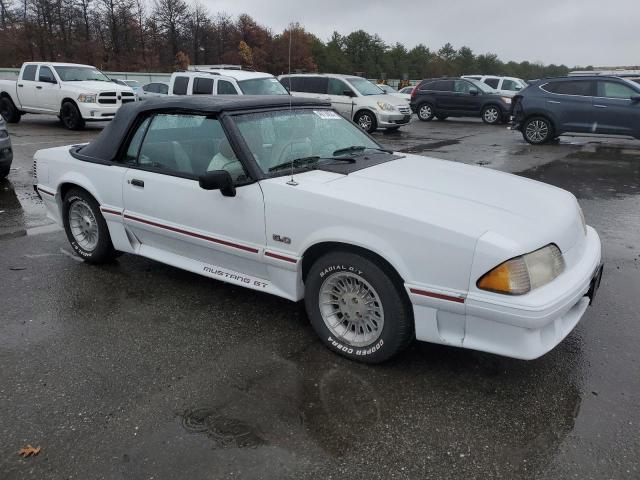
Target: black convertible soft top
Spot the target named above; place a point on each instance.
(104, 148)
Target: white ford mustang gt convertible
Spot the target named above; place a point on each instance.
(285, 196)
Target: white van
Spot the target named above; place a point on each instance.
(507, 86)
(355, 98)
(224, 82)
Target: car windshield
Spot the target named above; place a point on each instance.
(262, 86)
(281, 136)
(364, 86)
(80, 74)
(132, 83)
(483, 87)
(387, 88)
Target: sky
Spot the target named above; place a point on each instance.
(572, 32)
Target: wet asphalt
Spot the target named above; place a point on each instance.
(137, 370)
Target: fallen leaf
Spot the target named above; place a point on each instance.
(29, 451)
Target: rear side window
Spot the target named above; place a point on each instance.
(201, 86)
(492, 82)
(226, 88)
(314, 84)
(615, 90)
(443, 86)
(180, 85)
(29, 72)
(583, 88)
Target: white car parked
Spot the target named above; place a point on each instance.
(284, 196)
(75, 93)
(153, 90)
(225, 82)
(355, 98)
(389, 90)
(507, 86)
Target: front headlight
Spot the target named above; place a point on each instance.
(387, 107)
(87, 98)
(506, 100)
(522, 274)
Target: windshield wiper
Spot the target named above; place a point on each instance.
(299, 162)
(358, 148)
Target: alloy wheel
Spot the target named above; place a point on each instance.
(83, 225)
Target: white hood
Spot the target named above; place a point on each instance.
(91, 86)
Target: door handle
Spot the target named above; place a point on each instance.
(600, 106)
(554, 101)
(39, 87)
(20, 85)
(137, 183)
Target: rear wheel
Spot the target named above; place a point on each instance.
(491, 114)
(425, 112)
(9, 111)
(366, 121)
(537, 130)
(357, 308)
(70, 116)
(86, 228)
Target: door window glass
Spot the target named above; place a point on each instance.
(29, 72)
(443, 86)
(162, 88)
(180, 85)
(202, 86)
(492, 82)
(462, 86)
(615, 90)
(337, 87)
(511, 85)
(188, 145)
(226, 88)
(134, 146)
(46, 75)
(314, 85)
(582, 88)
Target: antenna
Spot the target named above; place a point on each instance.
(291, 181)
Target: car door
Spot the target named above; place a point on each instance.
(47, 90)
(26, 87)
(464, 101)
(444, 96)
(616, 113)
(570, 104)
(171, 218)
(344, 104)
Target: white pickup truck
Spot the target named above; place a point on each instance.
(75, 93)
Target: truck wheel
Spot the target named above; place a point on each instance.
(4, 172)
(357, 308)
(86, 228)
(9, 111)
(366, 121)
(70, 116)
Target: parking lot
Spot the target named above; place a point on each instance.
(139, 370)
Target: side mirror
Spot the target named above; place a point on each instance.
(473, 91)
(518, 87)
(218, 180)
(348, 93)
(635, 98)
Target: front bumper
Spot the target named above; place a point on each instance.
(97, 112)
(524, 327)
(389, 120)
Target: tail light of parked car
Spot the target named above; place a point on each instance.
(414, 92)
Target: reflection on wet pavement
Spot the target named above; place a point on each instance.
(12, 222)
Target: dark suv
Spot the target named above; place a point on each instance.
(459, 97)
(553, 106)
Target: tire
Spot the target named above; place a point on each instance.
(4, 172)
(70, 116)
(537, 130)
(442, 117)
(425, 112)
(491, 115)
(366, 121)
(86, 228)
(387, 331)
(9, 111)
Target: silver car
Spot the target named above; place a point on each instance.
(153, 90)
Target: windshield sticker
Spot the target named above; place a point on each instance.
(327, 114)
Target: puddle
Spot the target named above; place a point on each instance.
(12, 223)
(225, 432)
(425, 147)
(593, 172)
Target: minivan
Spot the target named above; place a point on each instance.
(224, 82)
(355, 98)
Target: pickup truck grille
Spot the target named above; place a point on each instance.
(113, 98)
(35, 170)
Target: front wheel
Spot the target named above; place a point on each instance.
(366, 121)
(357, 308)
(537, 130)
(86, 228)
(9, 111)
(71, 117)
(491, 115)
